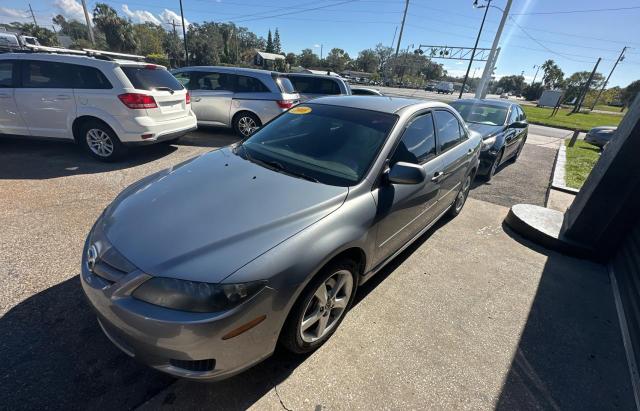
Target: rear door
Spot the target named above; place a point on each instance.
(211, 96)
(11, 121)
(167, 91)
(454, 154)
(46, 98)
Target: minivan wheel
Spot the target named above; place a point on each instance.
(246, 124)
(100, 141)
(320, 308)
(461, 198)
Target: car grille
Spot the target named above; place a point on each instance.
(112, 266)
(194, 365)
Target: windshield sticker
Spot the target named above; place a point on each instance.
(300, 110)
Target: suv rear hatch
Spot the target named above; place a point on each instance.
(171, 100)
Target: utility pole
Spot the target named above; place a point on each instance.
(86, 17)
(394, 36)
(33, 15)
(491, 60)
(404, 17)
(173, 24)
(184, 36)
(620, 58)
(583, 94)
(321, 47)
(473, 53)
(537, 67)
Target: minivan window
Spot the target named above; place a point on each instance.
(6, 74)
(45, 74)
(212, 81)
(145, 78)
(332, 144)
(84, 77)
(183, 78)
(285, 85)
(314, 85)
(246, 84)
(448, 130)
(418, 143)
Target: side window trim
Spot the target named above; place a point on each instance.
(413, 118)
(460, 137)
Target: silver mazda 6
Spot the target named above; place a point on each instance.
(201, 269)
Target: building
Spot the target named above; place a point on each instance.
(267, 61)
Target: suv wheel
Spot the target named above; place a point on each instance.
(320, 308)
(246, 124)
(100, 141)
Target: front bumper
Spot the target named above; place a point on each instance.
(183, 344)
(487, 159)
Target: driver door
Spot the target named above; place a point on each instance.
(405, 209)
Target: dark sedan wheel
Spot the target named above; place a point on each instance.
(494, 166)
(321, 308)
(520, 147)
(461, 198)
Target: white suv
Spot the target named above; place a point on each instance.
(104, 104)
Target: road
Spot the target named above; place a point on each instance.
(457, 353)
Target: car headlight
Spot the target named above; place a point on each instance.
(195, 296)
(488, 143)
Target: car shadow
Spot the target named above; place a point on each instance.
(570, 354)
(54, 355)
(209, 136)
(39, 159)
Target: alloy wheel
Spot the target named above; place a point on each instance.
(326, 307)
(462, 195)
(247, 126)
(99, 142)
(495, 165)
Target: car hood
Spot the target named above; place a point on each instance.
(206, 218)
(485, 130)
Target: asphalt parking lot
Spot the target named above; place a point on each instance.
(447, 325)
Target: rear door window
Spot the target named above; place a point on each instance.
(45, 74)
(448, 130)
(145, 78)
(212, 81)
(6, 74)
(84, 77)
(246, 84)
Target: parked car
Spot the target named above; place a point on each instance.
(503, 127)
(104, 104)
(267, 240)
(241, 98)
(600, 136)
(365, 91)
(12, 42)
(430, 87)
(316, 85)
(444, 87)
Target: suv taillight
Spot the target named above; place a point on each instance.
(188, 98)
(285, 103)
(137, 100)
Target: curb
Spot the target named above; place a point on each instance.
(558, 181)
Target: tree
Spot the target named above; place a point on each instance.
(277, 47)
(511, 83)
(269, 48)
(71, 28)
(118, 32)
(45, 36)
(553, 75)
(367, 61)
(291, 59)
(337, 59)
(433, 71)
(308, 59)
(382, 53)
(150, 38)
(204, 42)
(174, 48)
(630, 92)
(576, 82)
(532, 92)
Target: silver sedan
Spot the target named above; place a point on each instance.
(201, 269)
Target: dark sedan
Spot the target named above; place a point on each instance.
(600, 136)
(503, 127)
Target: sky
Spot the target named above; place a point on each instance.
(574, 33)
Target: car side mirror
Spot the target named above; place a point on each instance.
(406, 173)
(518, 124)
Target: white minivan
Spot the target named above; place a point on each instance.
(104, 104)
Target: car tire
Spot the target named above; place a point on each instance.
(100, 141)
(494, 166)
(461, 198)
(515, 156)
(301, 340)
(246, 123)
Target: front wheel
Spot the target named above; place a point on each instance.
(494, 166)
(245, 124)
(517, 154)
(321, 308)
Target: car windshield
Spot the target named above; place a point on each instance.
(480, 113)
(330, 144)
(149, 78)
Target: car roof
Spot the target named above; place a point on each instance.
(487, 101)
(375, 103)
(230, 70)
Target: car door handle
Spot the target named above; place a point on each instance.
(437, 176)
(196, 99)
(470, 151)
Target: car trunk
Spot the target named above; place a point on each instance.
(169, 94)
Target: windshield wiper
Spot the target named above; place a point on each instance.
(276, 165)
(169, 89)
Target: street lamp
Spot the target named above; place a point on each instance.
(473, 53)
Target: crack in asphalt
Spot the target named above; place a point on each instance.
(275, 388)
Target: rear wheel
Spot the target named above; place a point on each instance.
(320, 308)
(100, 141)
(246, 123)
(461, 198)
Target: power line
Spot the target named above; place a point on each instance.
(296, 12)
(576, 11)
